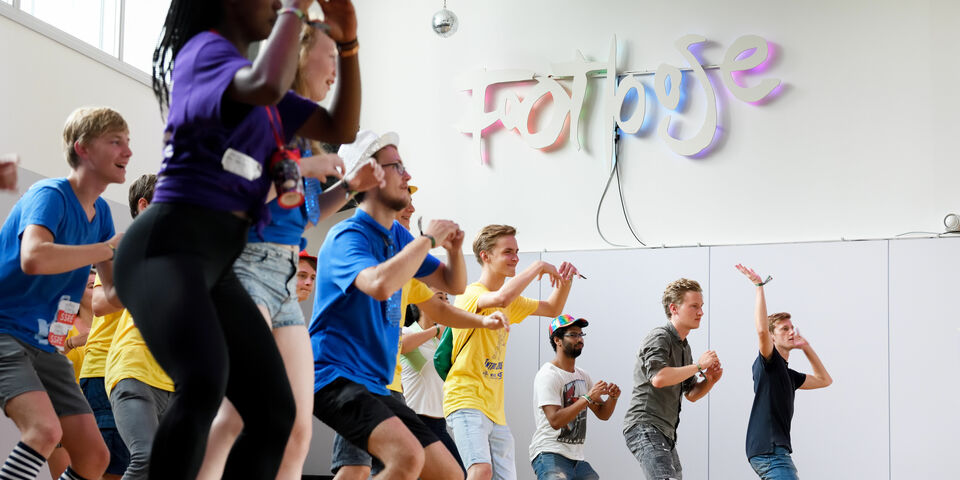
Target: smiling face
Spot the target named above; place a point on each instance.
(502, 259)
(106, 156)
(318, 66)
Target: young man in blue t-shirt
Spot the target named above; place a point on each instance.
(355, 329)
(774, 386)
(53, 234)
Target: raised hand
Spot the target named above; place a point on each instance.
(548, 269)
(567, 271)
(441, 230)
(341, 17)
(367, 176)
(456, 241)
(708, 359)
(798, 340)
(598, 389)
(322, 166)
(753, 276)
(496, 321)
(713, 373)
(613, 391)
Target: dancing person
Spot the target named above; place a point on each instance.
(562, 394)
(664, 372)
(774, 386)
(478, 420)
(268, 266)
(53, 234)
(364, 263)
(228, 122)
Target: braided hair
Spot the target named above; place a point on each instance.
(185, 18)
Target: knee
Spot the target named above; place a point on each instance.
(480, 471)
(95, 457)
(227, 423)
(409, 462)
(43, 435)
(301, 434)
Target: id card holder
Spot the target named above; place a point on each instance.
(239, 163)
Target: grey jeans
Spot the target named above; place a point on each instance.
(655, 452)
(137, 408)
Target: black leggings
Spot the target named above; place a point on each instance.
(174, 273)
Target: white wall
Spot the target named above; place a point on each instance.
(858, 144)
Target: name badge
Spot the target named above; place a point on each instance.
(239, 163)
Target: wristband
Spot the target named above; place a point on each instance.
(348, 49)
(438, 329)
(433, 241)
(769, 278)
(699, 369)
(293, 10)
(113, 251)
(588, 399)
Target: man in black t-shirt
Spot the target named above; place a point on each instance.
(774, 386)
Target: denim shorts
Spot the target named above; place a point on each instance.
(775, 466)
(480, 440)
(25, 368)
(268, 273)
(553, 466)
(656, 453)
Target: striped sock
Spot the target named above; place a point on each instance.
(24, 463)
(69, 474)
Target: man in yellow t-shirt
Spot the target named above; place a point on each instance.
(138, 389)
(473, 391)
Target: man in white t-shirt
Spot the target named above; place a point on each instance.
(561, 395)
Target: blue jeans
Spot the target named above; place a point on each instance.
(479, 440)
(553, 466)
(775, 466)
(655, 452)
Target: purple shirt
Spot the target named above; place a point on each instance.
(203, 123)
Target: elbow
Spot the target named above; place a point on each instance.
(346, 134)
(657, 382)
(556, 425)
(30, 264)
(380, 292)
(828, 381)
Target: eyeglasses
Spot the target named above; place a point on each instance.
(397, 165)
(574, 335)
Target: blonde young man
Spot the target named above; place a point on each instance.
(473, 391)
(774, 387)
(664, 372)
(53, 234)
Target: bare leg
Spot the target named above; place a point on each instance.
(294, 345)
(398, 449)
(89, 456)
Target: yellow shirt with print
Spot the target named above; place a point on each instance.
(129, 357)
(414, 291)
(98, 343)
(476, 377)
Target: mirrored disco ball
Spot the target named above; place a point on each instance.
(445, 23)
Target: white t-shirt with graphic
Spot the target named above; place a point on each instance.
(555, 386)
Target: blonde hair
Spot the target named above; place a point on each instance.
(675, 292)
(776, 318)
(86, 124)
(308, 39)
(488, 236)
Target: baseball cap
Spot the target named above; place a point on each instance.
(364, 147)
(304, 254)
(565, 321)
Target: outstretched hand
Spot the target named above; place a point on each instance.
(496, 321)
(753, 276)
(548, 269)
(567, 271)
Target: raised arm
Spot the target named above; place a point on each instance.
(450, 277)
(759, 312)
(40, 255)
(819, 378)
(271, 75)
(381, 281)
(561, 280)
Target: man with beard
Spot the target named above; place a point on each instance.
(562, 393)
(355, 330)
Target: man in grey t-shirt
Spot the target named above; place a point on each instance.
(664, 370)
